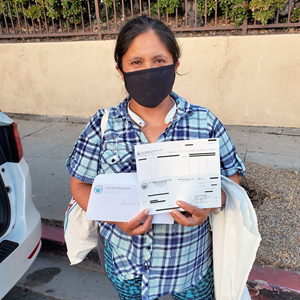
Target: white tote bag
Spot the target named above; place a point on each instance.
(81, 234)
(235, 243)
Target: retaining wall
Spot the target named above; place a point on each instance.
(244, 80)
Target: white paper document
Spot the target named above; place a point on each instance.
(186, 170)
(115, 197)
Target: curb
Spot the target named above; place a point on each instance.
(263, 283)
(53, 234)
(273, 283)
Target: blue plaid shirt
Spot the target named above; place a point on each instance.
(170, 258)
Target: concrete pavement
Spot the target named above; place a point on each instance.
(47, 142)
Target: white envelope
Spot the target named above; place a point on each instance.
(115, 198)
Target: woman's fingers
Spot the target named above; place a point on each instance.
(195, 217)
(145, 227)
(188, 207)
(180, 218)
(136, 221)
(135, 225)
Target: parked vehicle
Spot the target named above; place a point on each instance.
(20, 222)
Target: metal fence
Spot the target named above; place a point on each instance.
(98, 19)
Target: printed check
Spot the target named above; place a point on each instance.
(186, 170)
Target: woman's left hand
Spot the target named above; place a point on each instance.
(193, 216)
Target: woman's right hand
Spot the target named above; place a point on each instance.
(135, 225)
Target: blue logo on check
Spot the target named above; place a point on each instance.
(98, 189)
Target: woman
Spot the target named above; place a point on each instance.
(145, 261)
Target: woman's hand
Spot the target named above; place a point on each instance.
(193, 216)
(135, 226)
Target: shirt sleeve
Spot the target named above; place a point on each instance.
(83, 162)
(229, 159)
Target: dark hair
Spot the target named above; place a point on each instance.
(140, 25)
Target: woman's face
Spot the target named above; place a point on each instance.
(146, 51)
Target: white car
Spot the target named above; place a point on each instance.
(20, 222)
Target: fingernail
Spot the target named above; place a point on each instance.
(178, 202)
(146, 211)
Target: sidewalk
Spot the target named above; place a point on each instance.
(48, 141)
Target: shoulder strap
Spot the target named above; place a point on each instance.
(104, 121)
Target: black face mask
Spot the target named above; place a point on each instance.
(150, 87)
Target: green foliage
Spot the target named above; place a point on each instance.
(110, 4)
(295, 15)
(52, 7)
(237, 10)
(211, 4)
(226, 6)
(264, 10)
(34, 11)
(165, 6)
(8, 8)
(71, 10)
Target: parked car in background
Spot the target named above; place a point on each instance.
(20, 222)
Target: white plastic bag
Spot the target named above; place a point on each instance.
(235, 243)
(80, 234)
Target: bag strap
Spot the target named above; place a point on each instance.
(104, 120)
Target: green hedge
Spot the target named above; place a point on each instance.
(237, 10)
(262, 11)
(67, 9)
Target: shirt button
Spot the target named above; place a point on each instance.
(148, 247)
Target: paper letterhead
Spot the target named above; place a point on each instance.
(115, 198)
(187, 170)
